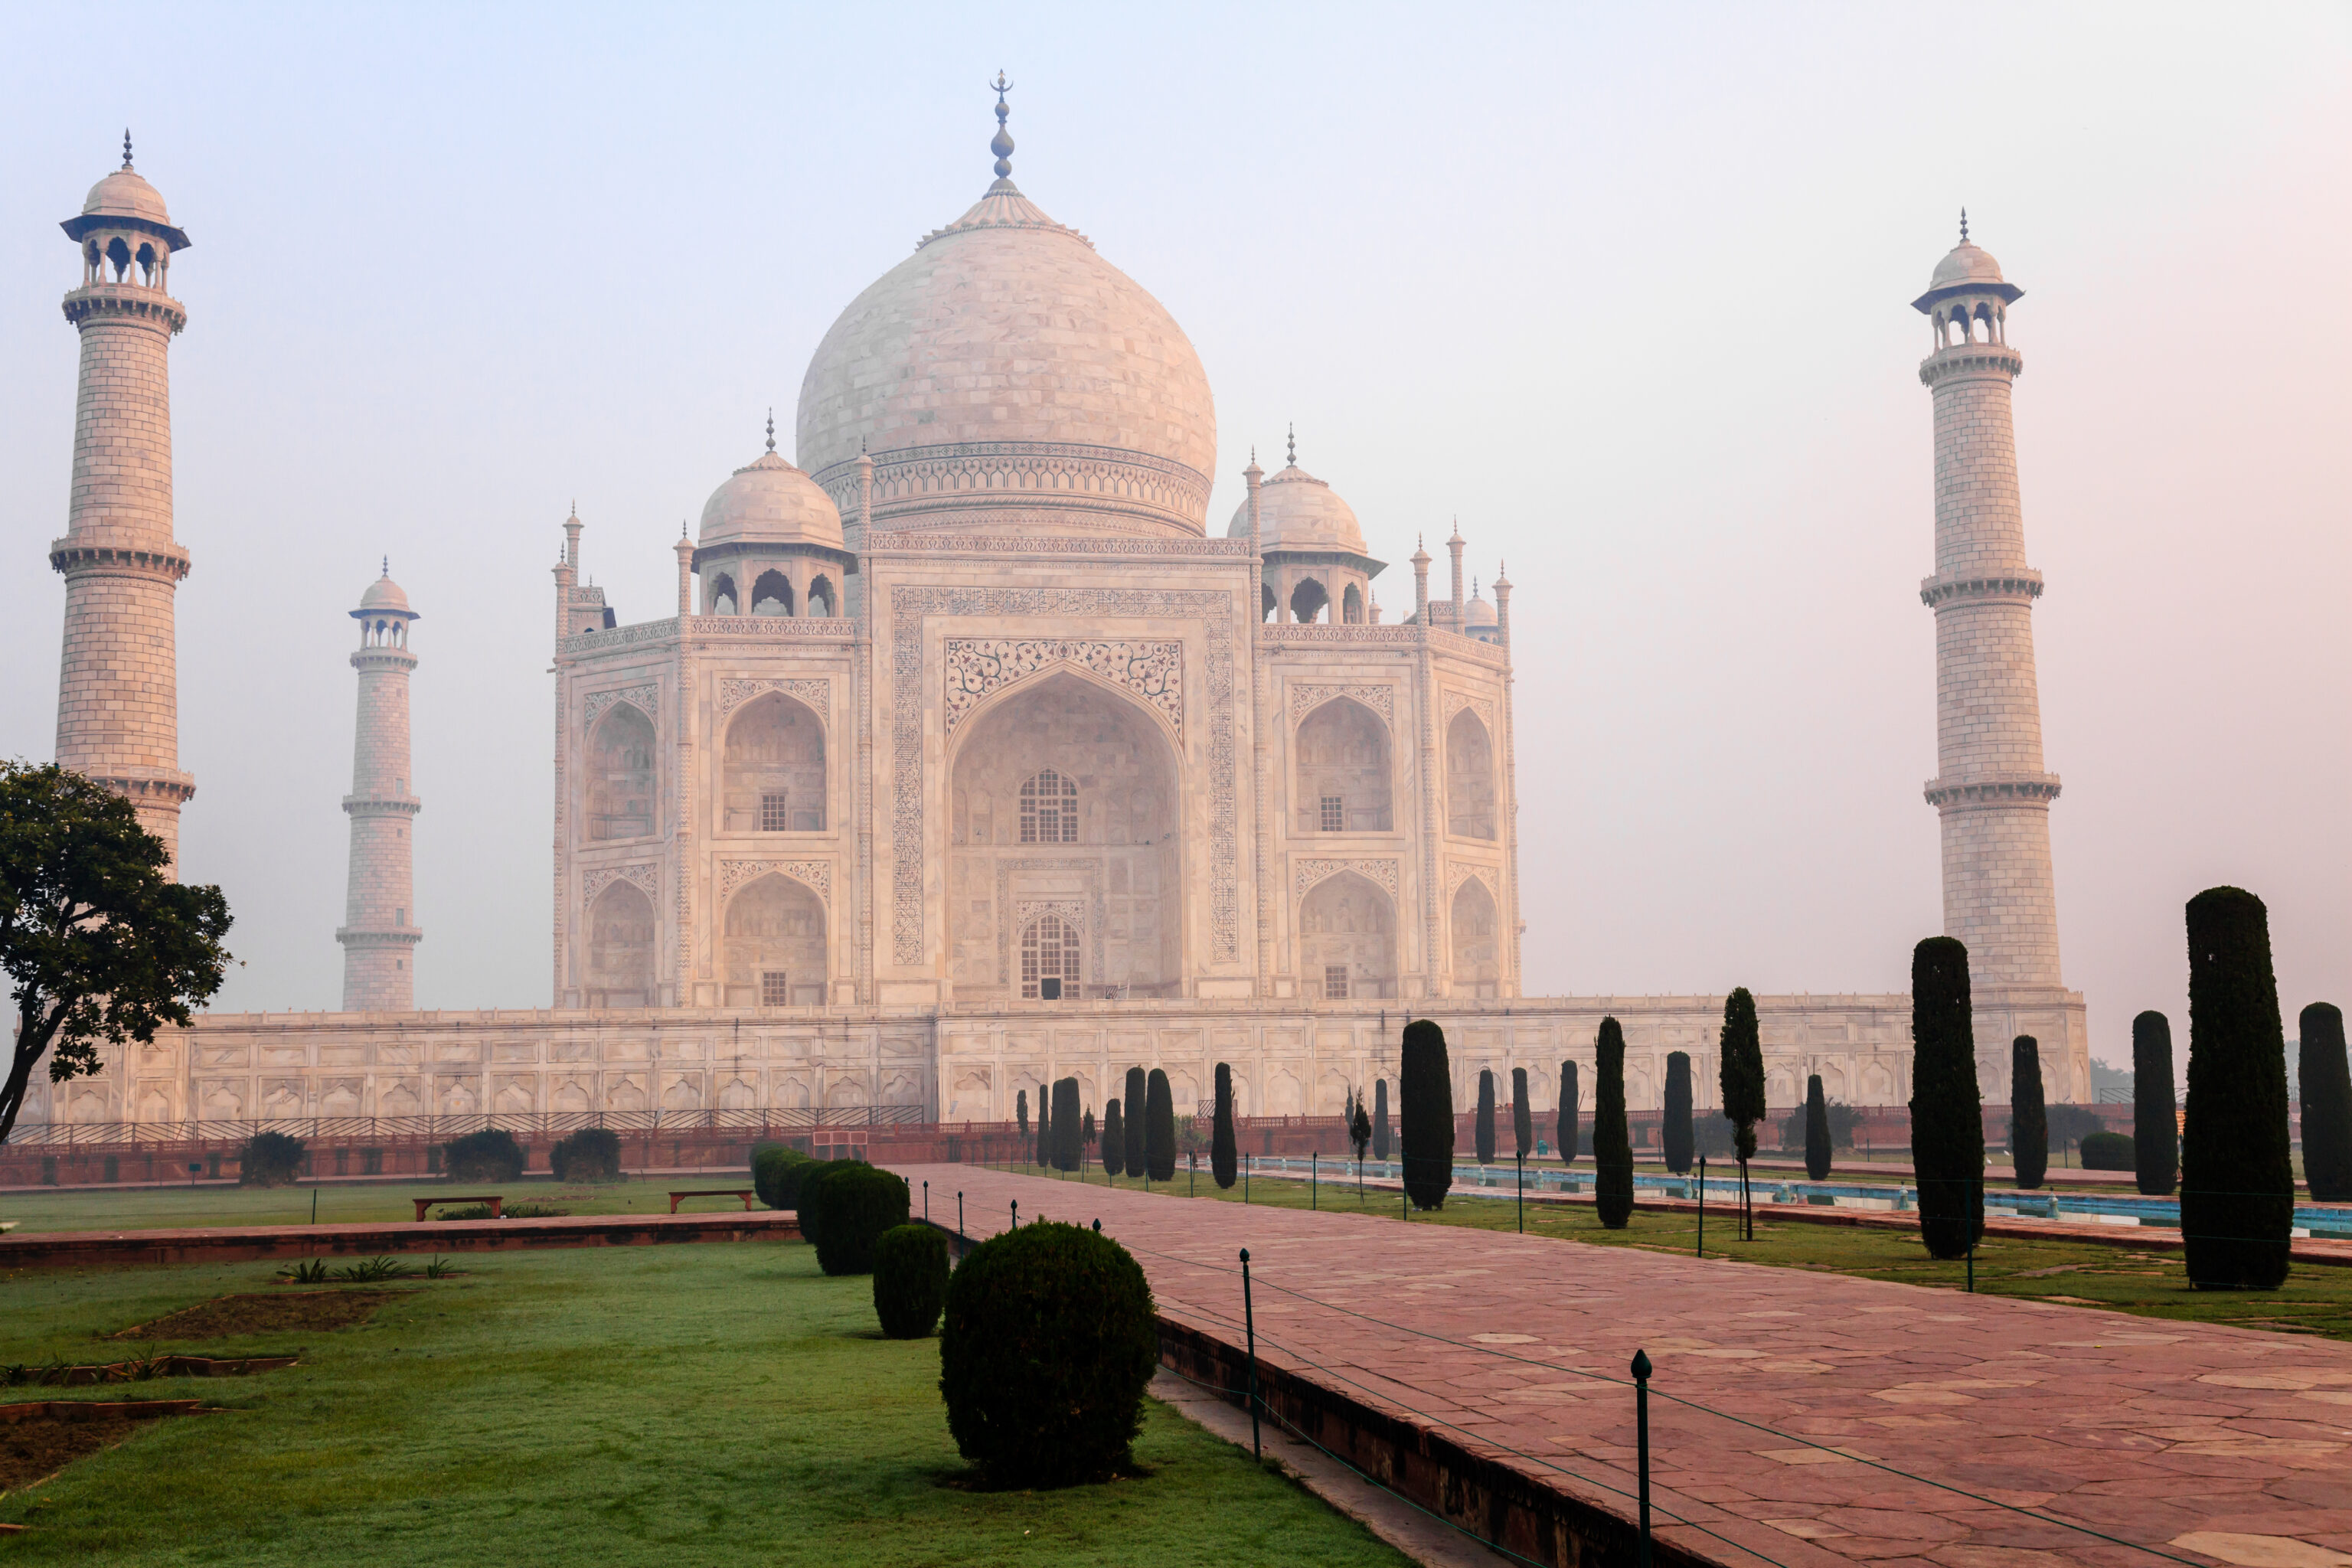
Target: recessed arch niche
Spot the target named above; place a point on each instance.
(621, 775)
(775, 944)
(772, 768)
(1469, 778)
(1343, 770)
(622, 937)
(1119, 868)
(1346, 939)
(1477, 954)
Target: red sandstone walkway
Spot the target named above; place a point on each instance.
(1891, 1423)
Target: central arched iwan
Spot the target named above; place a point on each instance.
(623, 935)
(1346, 939)
(1343, 770)
(773, 768)
(775, 944)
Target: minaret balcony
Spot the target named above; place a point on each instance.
(1970, 359)
(382, 804)
(135, 302)
(2018, 585)
(1992, 790)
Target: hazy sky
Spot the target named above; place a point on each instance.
(1624, 289)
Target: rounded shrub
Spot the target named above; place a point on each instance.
(1048, 1342)
(856, 1205)
(911, 1279)
(776, 1173)
(591, 1154)
(2110, 1151)
(490, 1155)
(807, 1195)
(270, 1160)
(1425, 1084)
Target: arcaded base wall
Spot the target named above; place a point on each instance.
(970, 1065)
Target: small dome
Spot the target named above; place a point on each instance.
(1968, 264)
(1295, 510)
(124, 194)
(383, 597)
(1477, 612)
(772, 503)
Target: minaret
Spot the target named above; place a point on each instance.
(1454, 547)
(118, 682)
(379, 934)
(1991, 788)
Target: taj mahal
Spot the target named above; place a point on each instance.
(978, 755)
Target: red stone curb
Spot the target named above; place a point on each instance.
(56, 1249)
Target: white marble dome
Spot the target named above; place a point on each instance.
(126, 194)
(383, 594)
(771, 502)
(1965, 264)
(1295, 510)
(1007, 345)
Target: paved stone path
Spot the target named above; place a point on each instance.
(1890, 1422)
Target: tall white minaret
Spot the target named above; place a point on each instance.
(118, 679)
(379, 933)
(1991, 787)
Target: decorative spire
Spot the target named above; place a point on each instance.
(387, 565)
(1002, 143)
(126, 146)
(1294, 446)
(1964, 226)
(772, 429)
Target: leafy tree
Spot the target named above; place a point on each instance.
(1158, 1128)
(911, 1279)
(490, 1155)
(1484, 1126)
(1225, 1160)
(2237, 1175)
(100, 945)
(593, 1154)
(1114, 1138)
(1947, 1112)
(1613, 1145)
(2156, 1125)
(2326, 1105)
(270, 1160)
(1359, 1127)
(2029, 1120)
(1817, 1145)
(1069, 1153)
(1379, 1118)
(1425, 1084)
(1743, 1089)
(1675, 1131)
(1566, 1130)
(1132, 1123)
(1523, 1116)
(1086, 1135)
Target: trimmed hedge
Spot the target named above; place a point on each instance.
(1947, 1112)
(2326, 1105)
(1484, 1128)
(1819, 1152)
(1049, 1343)
(1674, 1134)
(490, 1155)
(910, 1280)
(270, 1160)
(808, 1202)
(2029, 1118)
(777, 1170)
(1132, 1123)
(1225, 1160)
(1379, 1118)
(1612, 1146)
(857, 1204)
(1158, 1128)
(2156, 1113)
(2109, 1151)
(1070, 1149)
(2237, 1175)
(1426, 1085)
(1570, 1142)
(1114, 1138)
(1523, 1116)
(591, 1154)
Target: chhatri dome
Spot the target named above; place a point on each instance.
(384, 596)
(770, 502)
(1008, 348)
(1295, 510)
(1967, 269)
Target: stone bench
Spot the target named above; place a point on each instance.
(746, 1193)
(496, 1202)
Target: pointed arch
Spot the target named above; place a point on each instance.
(771, 595)
(771, 768)
(719, 597)
(1477, 952)
(1469, 777)
(1343, 767)
(620, 775)
(624, 938)
(775, 944)
(1348, 939)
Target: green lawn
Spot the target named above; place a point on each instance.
(150, 1208)
(2315, 1299)
(661, 1405)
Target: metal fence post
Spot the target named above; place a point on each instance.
(1523, 1195)
(1249, 1323)
(926, 1203)
(1314, 1179)
(959, 1215)
(1016, 1213)
(1700, 1250)
(1642, 1430)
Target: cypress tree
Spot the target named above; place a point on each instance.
(1379, 1118)
(1158, 1128)
(1567, 1129)
(1484, 1127)
(2237, 1175)
(1045, 1127)
(1946, 1113)
(1132, 1122)
(1086, 1136)
(1818, 1149)
(1225, 1160)
(1523, 1116)
(1021, 1110)
(1069, 1153)
(1114, 1138)
(1425, 1085)
(2156, 1121)
(1674, 1131)
(2326, 1105)
(2029, 1119)
(1612, 1146)
(1743, 1089)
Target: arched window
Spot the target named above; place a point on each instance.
(1049, 809)
(1049, 950)
(721, 596)
(1477, 955)
(1352, 605)
(771, 595)
(1266, 601)
(622, 934)
(819, 597)
(1343, 770)
(621, 775)
(775, 945)
(1346, 939)
(1469, 778)
(772, 774)
(1307, 601)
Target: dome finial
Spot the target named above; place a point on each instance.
(126, 146)
(387, 565)
(1294, 446)
(1964, 226)
(1001, 145)
(772, 429)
